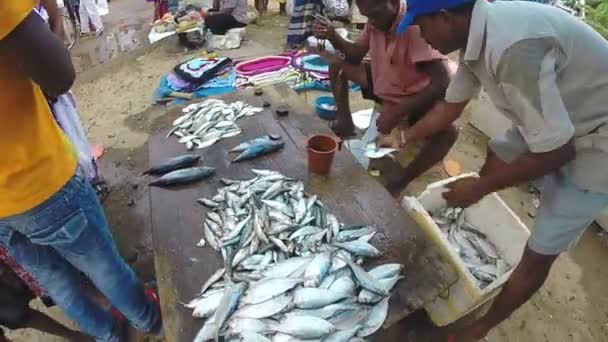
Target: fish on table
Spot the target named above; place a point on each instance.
(184, 176)
(205, 123)
(298, 265)
(260, 148)
(173, 164)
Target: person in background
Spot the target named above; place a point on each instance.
(50, 219)
(89, 13)
(527, 57)
(406, 77)
(301, 21)
(231, 14)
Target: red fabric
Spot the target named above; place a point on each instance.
(22, 274)
(161, 7)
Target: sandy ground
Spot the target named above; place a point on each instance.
(118, 74)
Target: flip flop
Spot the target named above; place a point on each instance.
(97, 150)
(452, 167)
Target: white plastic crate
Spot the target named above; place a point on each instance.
(495, 219)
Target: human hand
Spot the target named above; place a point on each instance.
(464, 192)
(331, 58)
(322, 28)
(388, 140)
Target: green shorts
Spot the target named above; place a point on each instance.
(565, 210)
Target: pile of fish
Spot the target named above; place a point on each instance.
(479, 254)
(179, 171)
(205, 123)
(291, 269)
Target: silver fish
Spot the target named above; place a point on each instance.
(184, 176)
(317, 269)
(286, 268)
(386, 271)
(206, 306)
(368, 297)
(343, 335)
(306, 327)
(266, 309)
(365, 280)
(213, 279)
(344, 285)
(375, 319)
(253, 337)
(313, 298)
(269, 288)
(359, 247)
(240, 325)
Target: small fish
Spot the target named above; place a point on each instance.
(173, 164)
(343, 335)
(360, 248)
(317, 269)
(266, 309)
(207, 306)
(286, 268)
(365, 280)
(368, 297)
(260, 149)
(241, 325)
(344, 285)
(207, 203)
(375, 319)
(250, 336)
(184, 176)
(269, 288)
(313, 298)
(245, 145)
(374, 152)
(306, 327)
(386, 271)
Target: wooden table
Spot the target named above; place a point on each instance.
(349, 192)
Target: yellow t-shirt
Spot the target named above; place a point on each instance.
(36, 159)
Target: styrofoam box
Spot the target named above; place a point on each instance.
(495, 219)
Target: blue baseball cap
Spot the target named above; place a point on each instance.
(416, 8)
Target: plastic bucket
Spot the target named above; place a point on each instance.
(321, 149)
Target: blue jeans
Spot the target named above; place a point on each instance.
(66, 234)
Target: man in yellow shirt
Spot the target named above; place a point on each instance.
(50, 219)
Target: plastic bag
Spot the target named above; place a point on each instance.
(336, 8)
(64, 109)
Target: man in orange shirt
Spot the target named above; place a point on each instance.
(50, 219)
(405, 76)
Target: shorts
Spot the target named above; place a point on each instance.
(368, 94)
(565, 210)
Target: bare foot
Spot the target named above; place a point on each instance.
(343, 130)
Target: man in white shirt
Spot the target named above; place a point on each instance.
(547, 71)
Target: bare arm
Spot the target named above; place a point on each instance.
(55, 18)
(52, 70)
(354, 52)
(526, 168)
(419, 102)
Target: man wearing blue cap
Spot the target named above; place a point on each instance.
(547, 71)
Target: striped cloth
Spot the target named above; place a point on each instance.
(302, 18)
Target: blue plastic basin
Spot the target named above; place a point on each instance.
(324, 113)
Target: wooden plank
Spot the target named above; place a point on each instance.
(349, 192)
